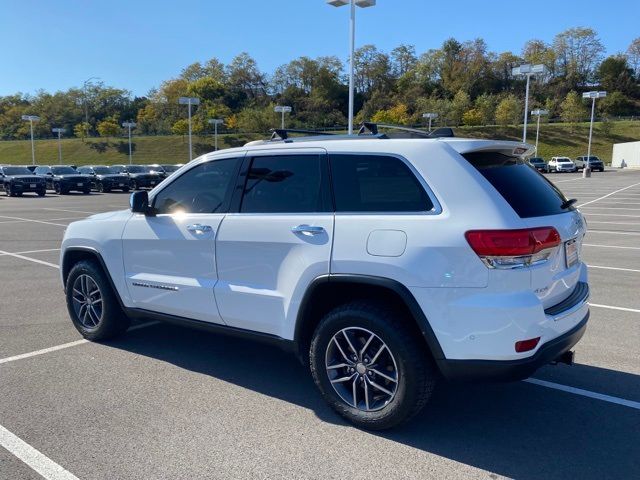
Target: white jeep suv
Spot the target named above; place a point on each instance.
(384, 264)
(562, 164)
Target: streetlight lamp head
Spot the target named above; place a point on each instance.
(429, 115)
(58, 130)
(282, 109)
(594, 94)
(129, 124)
(30, 118)
(539, 69)
(215, 121)
(359, 3)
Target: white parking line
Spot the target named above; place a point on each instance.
(614, 223)
(39, 462)
(570, 180)
(40, 251)
(613, 232)
(585, 393)
(49, 220)
(35, 221)
(612, 208)
(614, 268)
(611, 214)
(35, 260)
(65, 345)
(611, 307)
(609, 194)
(72, 211)
(609, 246)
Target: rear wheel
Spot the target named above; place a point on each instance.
(92, 303)
(134, 185)
(370, 366)
(100, 187)
(8, 191)
(56, 188)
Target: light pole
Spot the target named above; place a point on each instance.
(59, 131)
(538, 113)
(430, 116)
(282, 109)
(189, 101)
(352, 40)
(528, 71)
(31, 119)
(215, 122)
(586, 171)
(129, 125)
(84, 91)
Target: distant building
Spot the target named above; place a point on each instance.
(626, 155)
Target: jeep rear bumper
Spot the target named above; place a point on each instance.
(511, 370)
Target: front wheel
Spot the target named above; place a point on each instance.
(134, 185)
(370, 366)
(7, 190)
(41, 193)
(92, 303)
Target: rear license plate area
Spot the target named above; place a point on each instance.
(571, 253)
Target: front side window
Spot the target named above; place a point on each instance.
(285, 184)
(376, 183)
(203, 189)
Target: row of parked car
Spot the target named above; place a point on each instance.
(565, 164)
(16, 180)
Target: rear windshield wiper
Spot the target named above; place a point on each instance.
(567, 203)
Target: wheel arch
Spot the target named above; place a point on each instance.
(73, 255)
(328, 291)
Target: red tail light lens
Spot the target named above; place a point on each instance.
(527, 345)
(512, 243)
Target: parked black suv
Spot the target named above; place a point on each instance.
(64, 179)
(594, 163)
(105, 178)
(17, 180)
(539, 164)
(140, 176)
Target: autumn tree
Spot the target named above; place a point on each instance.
(572, 109)
(508, 111)
(108, 127)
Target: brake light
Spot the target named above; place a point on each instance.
(513, 248)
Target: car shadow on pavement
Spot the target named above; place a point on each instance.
(518, 430)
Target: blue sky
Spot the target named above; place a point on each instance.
(136, 44)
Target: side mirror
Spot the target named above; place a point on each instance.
(139, 202)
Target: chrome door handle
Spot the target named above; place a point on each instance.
(307, 230)
(199, 228)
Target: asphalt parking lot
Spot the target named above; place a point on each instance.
(168, 402)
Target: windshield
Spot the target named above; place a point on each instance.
(17, 171)
(170, 168)
(63, 170)
(594, 159)
(536, 160)
(564, 160)
(138, 169)
(102, 170)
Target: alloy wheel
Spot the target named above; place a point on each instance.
(361, 368)
(87, 301)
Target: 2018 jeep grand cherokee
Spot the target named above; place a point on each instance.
(385, 264)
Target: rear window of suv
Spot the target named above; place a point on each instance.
(529, 193)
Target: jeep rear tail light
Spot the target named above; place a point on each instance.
(513, 248)
(527, 345)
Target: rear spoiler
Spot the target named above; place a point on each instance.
(512, 149)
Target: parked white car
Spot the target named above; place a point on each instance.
(384, 264)
(562, 164)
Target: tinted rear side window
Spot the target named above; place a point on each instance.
(376, 183)
(528, 192)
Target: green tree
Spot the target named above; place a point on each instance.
(472, 116)
(108, 127)
(508, 111)
(572, 109)
(485, 104)
(397, 115)
(81, 130)
(180, 127)
(460, 104)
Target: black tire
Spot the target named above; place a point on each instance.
(416, 374)
(125, 189)
(87, 191)
(57, 189)
(41, 193)
(100, 187)
(134, 185)
(7, 190)
(113, 321)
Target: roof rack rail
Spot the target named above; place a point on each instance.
(283, 133)
(407, 132)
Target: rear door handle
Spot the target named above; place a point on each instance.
(199, 228)
(307, 230)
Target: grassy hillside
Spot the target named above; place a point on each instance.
(555, 139)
